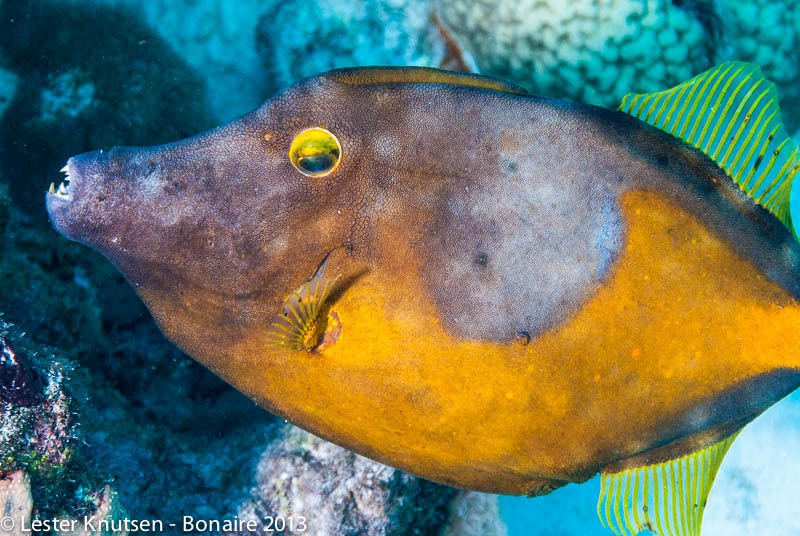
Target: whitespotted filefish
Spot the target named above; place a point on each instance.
(491, 290)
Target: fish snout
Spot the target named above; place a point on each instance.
(72, 205)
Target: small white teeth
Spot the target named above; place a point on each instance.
(52, 188)
(65, 169)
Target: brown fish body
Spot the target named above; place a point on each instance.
(528, 290)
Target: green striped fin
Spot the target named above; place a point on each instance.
(730, 113)
(667, 499)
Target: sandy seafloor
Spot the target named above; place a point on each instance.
(758, 488)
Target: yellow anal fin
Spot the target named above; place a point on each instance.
(300, 324)
(730, 113)
(667, 499)
(420, 75)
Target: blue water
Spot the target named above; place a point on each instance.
(756, 490)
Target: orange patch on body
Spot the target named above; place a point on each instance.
(506, 417)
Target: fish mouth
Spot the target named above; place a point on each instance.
(60, 200)
(62, 193)
(76, 207)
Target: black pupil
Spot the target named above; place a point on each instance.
(318, 163)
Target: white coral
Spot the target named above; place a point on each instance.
(596, 51)
(580, 49)
(767, 32)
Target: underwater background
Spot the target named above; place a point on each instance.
(101, 416)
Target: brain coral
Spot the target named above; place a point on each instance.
(593, 51)
(767, 32)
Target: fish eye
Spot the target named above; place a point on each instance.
(315, 152)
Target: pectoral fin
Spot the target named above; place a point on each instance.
(300, 325)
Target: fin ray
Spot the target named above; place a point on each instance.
(673, 494)
(298, 325)
(705, 110)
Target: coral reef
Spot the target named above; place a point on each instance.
(98, 76)
(475, 514)
(596, 52)
(93, 394)
(768, 33)
(337, 492)
(589, 51)
(171, 437)
(298, 39)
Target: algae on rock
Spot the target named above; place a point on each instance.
(39, 431)
(339, 493)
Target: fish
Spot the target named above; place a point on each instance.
(493, 290)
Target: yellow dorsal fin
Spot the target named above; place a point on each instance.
(667, 498)
(419, 75)
(730, 113)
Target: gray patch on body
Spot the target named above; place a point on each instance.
(524, 252)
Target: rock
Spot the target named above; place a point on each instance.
(38, 423)
(69, 95)
(39, 431)
(325, 490)
(16, 504)
(218, 39)
(37, 285)
(8, 86)
(5, 212)
(475, 514)
(18, 383)
(109, 518)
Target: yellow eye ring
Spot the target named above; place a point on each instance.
(315, 152)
